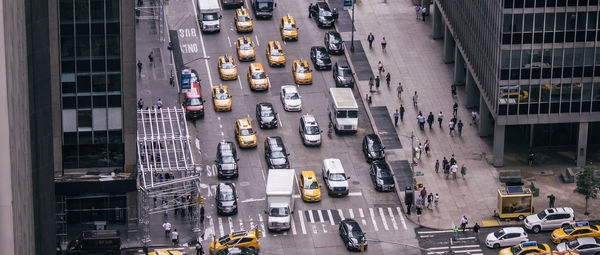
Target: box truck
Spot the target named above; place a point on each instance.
(209, 15)
(343, 110)
(280, 199)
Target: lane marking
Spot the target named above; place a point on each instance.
(241, 225)
(293, 226)
(351, 213)
(455, 247)
(355, 194)
(360, 211)
(341, 214)
(252, 226)
(392, 218)
(230, 224)
(310, 216)
(401, 218)
(221, 230)
(385, 225)
(221, 126)
(435, 231)
(320, 216)
(229, 40)
(280, 120)
(330, 217)
(203, 47)
(257, 42)
(373, 219)
(461, 251)
(262, 225)
(253, 200)
(240, 82)
(302, 222)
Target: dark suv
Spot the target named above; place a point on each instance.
(320, 58)
(275, 153)
(321, 13)
(342, 74)
(226, 199)
(226, 160)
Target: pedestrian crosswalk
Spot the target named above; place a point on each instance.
(442, 241)
(311, 222)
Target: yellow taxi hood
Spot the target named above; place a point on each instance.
(223, 102)
(304, 75)
(311, 192)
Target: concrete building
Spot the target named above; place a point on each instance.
(530, 67)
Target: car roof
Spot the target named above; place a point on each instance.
(372, 137)
(559, 210)
(334, 165)
(309, 119)
(226, 187)
(242, 11)
(381, 165)
(351, 223)
(244, 123)
(588, 240)
(275, 142)
(513, 230)
(334, 33)
(289, 88)
(343, 64)
(309, 174)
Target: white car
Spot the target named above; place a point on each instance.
(550, 218)
(584, 245)
(290, 98)
(335, 177)
(506, 237)
(309, 130)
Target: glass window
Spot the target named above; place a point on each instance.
(539, 22)
(114, 82)
(84, 102)
(113, 65)
(550, 3)
(84, 118)
(99, 101)
(518, 21)
(114, 101)
(534, 93)
(571, 20)
(528, 23)
(67, 44)
(83, 66)
(81, 11)
(66, 11)
(540, 3)
(505, 59)
(68, 87)
(83, 83)
(515, 59)
(507, 23)
(519, 3)
(547, 58)
(581, 20)
(83, 46)
(97, 10)
(100, 137)
(508, 3)
(560, 21)
(113, 46)
(537, 58)
(558, 57)
(579, 56)
(99, 83)
(568, 61)
(592, 16)
(526, 58)
(67, 67)
(69, 102)
(576, 93)
(549, 21)
(529, 3)
(569, 36)
(112, 10)
(98, 46)
(115, 137)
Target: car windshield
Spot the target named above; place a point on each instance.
(568, 230)
(221, 95)
(499, 233)
(352, 114)
(384, 173)
(264, 6)
(227, 160)
(245, 132)
(226, 196)
(337, 177)
(355, 233)
(193, 102)
(224, 239)
(334, 39)
(292, 96)
(245, 46)
(279, 212)
(324, 13)
(277, 154)
(322, 55)
(259, 75)
(375, 146)
(243, 18)
(210, 16)
(516, 249)
(310, 185)
(228, 65)
(302, 69)
(276, 53)
(345, 73)
(573, 244)
(312, 130)
(541, 215)
(289, 27)
(266, 113)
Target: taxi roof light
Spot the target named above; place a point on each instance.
(529, 244)
(582, 224)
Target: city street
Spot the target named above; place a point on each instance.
(314, 228)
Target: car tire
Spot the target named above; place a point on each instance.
(496, 246)
(521, 217)
(536, 229)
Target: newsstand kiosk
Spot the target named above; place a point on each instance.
(515, 202)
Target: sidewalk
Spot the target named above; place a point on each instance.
(415, 59)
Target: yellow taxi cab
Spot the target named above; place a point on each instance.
(245, 49)
(275, 54)
(574, 231)
(513, 93)
(221, 98)
(309, 186)
(288, 28)
(166, 252)
(301, 71)
(525, 248)
(243, 22)
(243, 239)
(257, 77)
(555, 88)
(227, 68)
(244, 132)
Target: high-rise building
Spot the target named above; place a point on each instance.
(68, 117)
(531, 66)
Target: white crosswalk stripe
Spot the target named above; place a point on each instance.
(242, 225)
(373, 219)
(320, 216)
(385, 225)
(351, 213)
(221, 229)
(401, 218)
(310, 217)
(392, 218)
(341, 214)
(231, 230)
(330, 217)
(301, 216)
(293, 228)
(360, 211)
(262, 225)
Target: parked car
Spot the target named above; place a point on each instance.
(226, 160)
(373, 148)
(381, 176)
(342, 74)
(506, 237)
(334, 43)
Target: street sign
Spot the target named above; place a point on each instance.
(347, 3)
(419, 173)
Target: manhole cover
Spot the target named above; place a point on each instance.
(355, 182)
(244, 184)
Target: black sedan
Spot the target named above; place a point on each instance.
(381, 175)
(275, 153)
(226, 199)
(266, 116)
(226, 160)
(334, 43)
(372, 148)
(320, 58)
(352, 235)
(321, 13)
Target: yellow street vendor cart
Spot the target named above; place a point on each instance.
(515, 202)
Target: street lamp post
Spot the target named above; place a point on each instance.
(352, 39)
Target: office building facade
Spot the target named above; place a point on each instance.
(528, 65)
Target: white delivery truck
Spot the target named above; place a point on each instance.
(343, 110)
(209, 15)
(280, 199)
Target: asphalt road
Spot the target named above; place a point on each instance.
(314, 230)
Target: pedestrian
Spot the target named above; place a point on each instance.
(202, 215)
(437, 166)
(419, 213)
(370, 38)
(175, 237)
(380, 67)
(460, 127)
(451, 126)
(377, 81)
(408, 206)
(420, 150)
(427, 147)
(415, 99)
(423, 13)
(455, 233)
(551, 199)
(419, 199)
(402, 110)
(463, 223)
(473, 117)
(455, 108)
(159, 103)
(371, 84)
(388, 78)
(139, 67)
(151, 56)
(141, 103)
(463, 170)
(190, 208)
(396, 116)
(310, 6)
(447, 170)
(452, 160)
(383, 44)
(454, 169)
(58, 249)
(167, 227)
(199, 250)
(421, 120)
(530, 157)
(430, 119)
(436, 199)
(476, 230)
(429, 200)
(417, 11)
(453, 90)
(445, 162)
(400, 89)
(440, 118)
(423, 193)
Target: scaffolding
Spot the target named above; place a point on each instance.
(167, 173)
(154, 12)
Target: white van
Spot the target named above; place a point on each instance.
(209, 15)
(335, 177)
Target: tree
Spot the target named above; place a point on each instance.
(588, 185)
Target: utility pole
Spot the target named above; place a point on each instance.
(352, 40)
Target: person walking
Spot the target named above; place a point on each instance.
(396, 116)
(383, 44)
(463, 170)
(452, 160)
(551, 199)
(402, 110)
(415, 99)
(455, 233)
(429, 200)
(476, 230)
(380, 67)
(440, 118)
(455, 109)
(370, 38)
(530, 157)
(417, 11)
(175, 237)
(159, 103)
(445, 162)
(421, 121)
(310, 6)
(454, 169)
(447, 170)
(436, 199)
(167, 227)
(473, 117)
(139, 67)
(202, 215)
(420, 150)
(388, 78)
(453, 90)
(400, 89)
(430, 119)
(424, 12)
(463, 223)
(419, 212)
(437, 166)
(451, 126)
(151, 57)
(371, 84)
(460, 127)
(377, 81)
(141, 103)
(427, 148)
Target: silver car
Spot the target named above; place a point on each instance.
(584, 245)
(290, 98)
(309, 130)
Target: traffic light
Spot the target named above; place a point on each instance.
(258, 233)
(200, 200)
